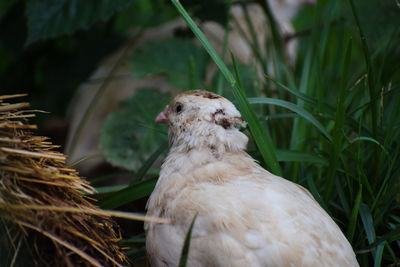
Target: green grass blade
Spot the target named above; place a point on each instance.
(149, 162)
(203, 40)
(297, 93)
(296, 156)
(278, 51)
(342, 198)
(261, 138)
(220, 78)
(300, 111)
(254, 42)
(110, 188)
(393, 235)
(129, 194)
(314, 191)
(383, 186)
(389, 237)
(340, 115)
(235, 67)
(186, 245)
(392, 253)
(379, 254)
(353, 218)
(367, 221)
(369, 139)
(370, 77)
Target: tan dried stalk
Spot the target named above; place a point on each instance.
(43, 208)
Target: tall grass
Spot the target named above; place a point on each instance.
(334, 126)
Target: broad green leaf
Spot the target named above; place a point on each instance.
(49, 18)
(170, 57)
(130, 135)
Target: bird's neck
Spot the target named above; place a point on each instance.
(183, 159)
(209, 138)
(209, 160)
(198, 166)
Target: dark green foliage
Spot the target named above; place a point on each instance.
(214, 10)
(144, 13)
(4, 6)
(41, 69)
(49, 19)
(172, 58)
(372, 19)
(130, 135)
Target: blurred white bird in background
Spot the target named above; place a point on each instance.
(246, 216)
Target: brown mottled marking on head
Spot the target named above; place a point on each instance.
(224, 122)
(219, 111)
(202, 93)
(210, 95)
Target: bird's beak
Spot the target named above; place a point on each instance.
(162, 117)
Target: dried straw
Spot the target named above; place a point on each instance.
(43, 208)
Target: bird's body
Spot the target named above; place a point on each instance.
(246, 216)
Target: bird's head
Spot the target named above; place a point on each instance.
(201, 119)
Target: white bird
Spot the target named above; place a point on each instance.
(246, 216)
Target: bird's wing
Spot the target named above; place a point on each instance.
(217, 234)
(251, 219)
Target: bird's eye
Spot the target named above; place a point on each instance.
(179, 108)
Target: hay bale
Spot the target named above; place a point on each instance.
(46, 216)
